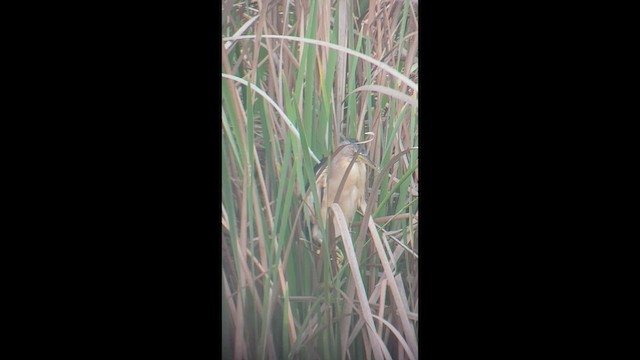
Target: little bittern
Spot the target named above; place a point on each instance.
(328, 181)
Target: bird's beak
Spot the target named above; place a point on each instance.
(365, 159)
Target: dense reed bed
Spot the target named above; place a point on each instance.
(298, 75)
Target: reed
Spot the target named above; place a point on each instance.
(296, 75)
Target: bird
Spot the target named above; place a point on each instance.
(329, 176)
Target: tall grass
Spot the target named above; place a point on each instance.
(298, 75)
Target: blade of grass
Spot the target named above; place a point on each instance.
(409, 331)
(364, 57)
(376, 342)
